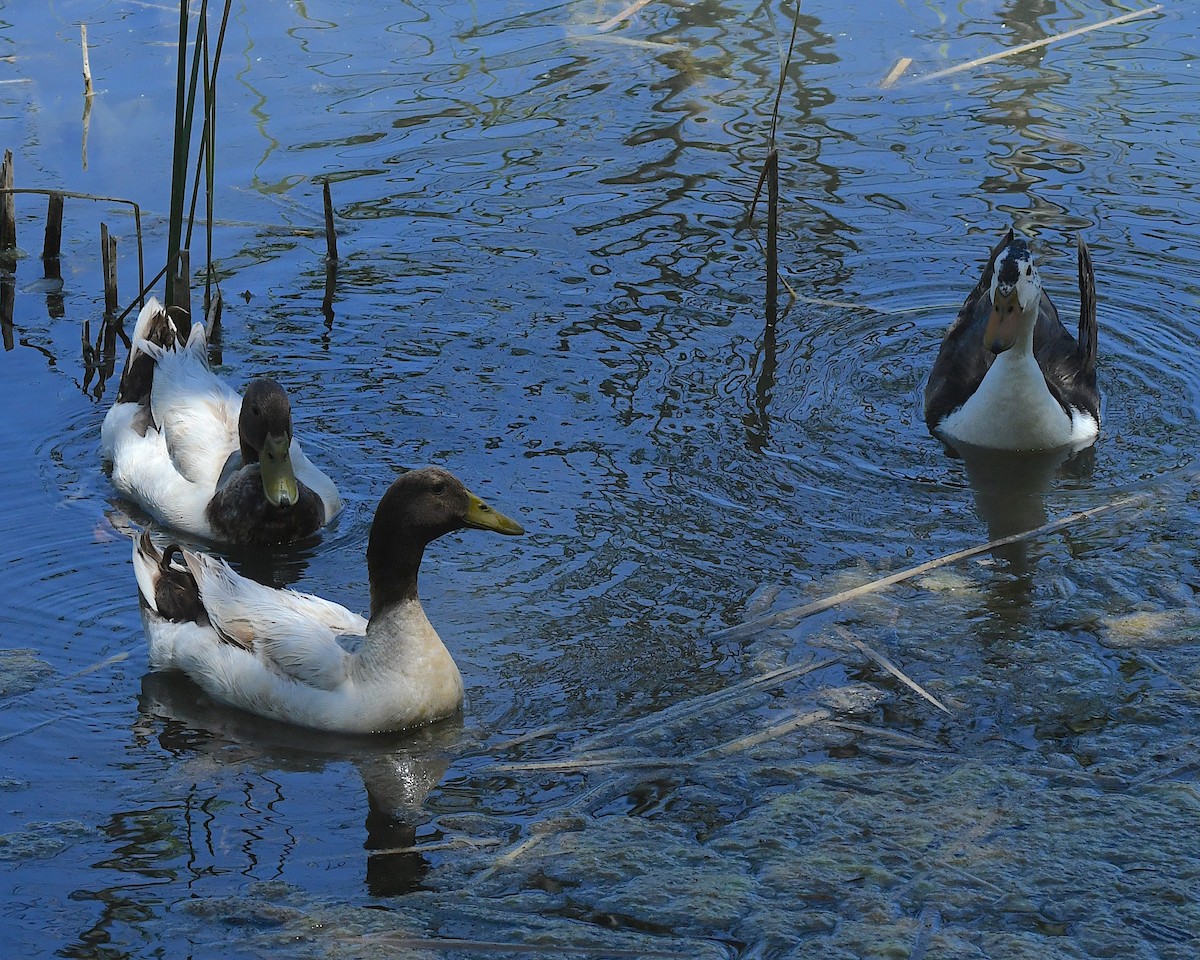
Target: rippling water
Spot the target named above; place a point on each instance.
(547, 283)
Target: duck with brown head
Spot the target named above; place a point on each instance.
(277, 652)
(196, 456)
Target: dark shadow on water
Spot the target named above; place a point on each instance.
(397, 770)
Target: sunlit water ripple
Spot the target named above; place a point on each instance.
(547, 283)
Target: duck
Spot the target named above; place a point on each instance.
(198, 457)
(1009, 375)
(285, 655)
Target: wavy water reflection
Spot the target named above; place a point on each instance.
(547, 283)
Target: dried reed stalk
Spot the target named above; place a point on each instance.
(87, 67)
(625, 14)
(1045, 41)
(891, 668)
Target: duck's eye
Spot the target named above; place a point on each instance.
(440, 487)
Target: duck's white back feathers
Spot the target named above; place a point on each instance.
(143, 471)
(295, 633)
(169, 456)
(194, 408)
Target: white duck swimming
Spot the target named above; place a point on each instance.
(276, 652)
(1009, 376)
(196, 456)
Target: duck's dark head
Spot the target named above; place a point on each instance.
(420, 506)
(1016, 291)
(265, 435)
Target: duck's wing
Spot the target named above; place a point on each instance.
(962, 359)
(293, 633)
(196, 411)
(1069, 364)
(316, 481)
(142, 471)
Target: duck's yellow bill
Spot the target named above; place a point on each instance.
(482, 517)
(278, 476)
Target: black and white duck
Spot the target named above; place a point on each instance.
(1009, 375)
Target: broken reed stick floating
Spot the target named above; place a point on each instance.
(773, 732)
(891, 668)
(87, 67)
(690, 708)
(906, 739)
(792, 616)
(1045, 41)
(407, 943)
(628, 12)
(896, 72)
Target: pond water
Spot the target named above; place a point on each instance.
(547, 285)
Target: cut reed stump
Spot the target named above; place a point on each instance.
(52, 245)
(331, 258)
(51, 263)
(8, 214)
(108, 258)
(8, 250)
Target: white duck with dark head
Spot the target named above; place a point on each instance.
(1009, 376)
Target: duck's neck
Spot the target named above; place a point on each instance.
(1022, 348)
(392, 567)
(404, 651)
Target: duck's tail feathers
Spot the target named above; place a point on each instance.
(1088, 329)
(155, 326)
(165, 582)
(195, 347)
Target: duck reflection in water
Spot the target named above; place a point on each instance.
(1010, 488)
(397, 770)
